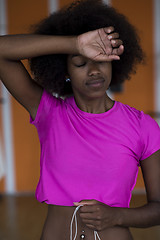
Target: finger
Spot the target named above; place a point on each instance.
(108, 29)
(91, 226)
(87, 216)
(92, 222)
(116, 42)
(113, 57)
(105, 58)
(77, 204)
(89, 221)
(89, 202)
(118, 51)
(108, 58)
(88, 209)
(86, 202)
(113, 36)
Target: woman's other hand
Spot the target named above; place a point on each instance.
(97, 215)
(100, 45)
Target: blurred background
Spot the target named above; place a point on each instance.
(19, 145)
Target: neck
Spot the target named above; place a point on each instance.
(94, 105)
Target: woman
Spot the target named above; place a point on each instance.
(91, 146)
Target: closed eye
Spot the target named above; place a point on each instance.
(80, 65)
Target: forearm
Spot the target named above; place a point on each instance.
(23, 46)
(141, 217)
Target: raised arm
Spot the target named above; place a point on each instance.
(13, 49)
(98, 45)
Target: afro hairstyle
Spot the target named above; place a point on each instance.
(50, 71)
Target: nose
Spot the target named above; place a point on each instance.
(93, 69)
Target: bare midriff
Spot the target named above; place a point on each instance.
(57, 227)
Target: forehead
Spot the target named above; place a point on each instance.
(76, 56)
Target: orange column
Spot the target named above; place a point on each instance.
(21, 15)
(139, 91)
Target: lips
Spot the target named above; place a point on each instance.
(95, 81)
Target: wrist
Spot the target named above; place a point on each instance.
(118, 216)
(80, 42)
(74, 45)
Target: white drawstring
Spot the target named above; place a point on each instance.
(96, 235)
(74, 217)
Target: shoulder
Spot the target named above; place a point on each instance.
(48, 106)
(147, 128)
(130, 112)
(144, 122)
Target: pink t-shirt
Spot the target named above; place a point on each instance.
(91, 156)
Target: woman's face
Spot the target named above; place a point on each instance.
(89, 78)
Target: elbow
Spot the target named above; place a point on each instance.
(155, 212)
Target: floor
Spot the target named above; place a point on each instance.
(22, 218)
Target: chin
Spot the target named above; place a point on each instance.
(97, 94)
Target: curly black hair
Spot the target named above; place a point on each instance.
(82, 16)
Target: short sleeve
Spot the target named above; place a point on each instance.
(150, 136)
(47, 103)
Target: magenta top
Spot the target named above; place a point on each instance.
(91, 156)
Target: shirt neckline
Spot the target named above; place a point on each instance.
(92, 115)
